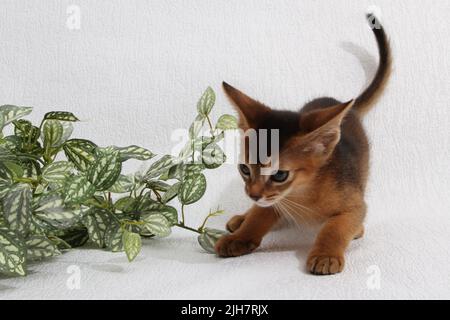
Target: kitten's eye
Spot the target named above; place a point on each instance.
(280, 176)
(244, 169)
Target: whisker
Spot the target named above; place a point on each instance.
(288, 211)
(300, 213)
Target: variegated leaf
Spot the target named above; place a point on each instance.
(196, 126)
(39, 247)
(62, 219)
(52, 133)
(209, 237)
(80, 152)
(157, 224)
(192, 188)
(206, 102)
(122, 185)
(132, 244)
(17, 207)
(48, 202)
(96, 221)
(61, 115)
(113, 237)
(227, 122)
(160, 166)
(78, 189)
(57, 171)
(5, 186)
(170, 213)
(213, 156)
(105, 171)
(134, 152)
(158, 185)
(126, 204)
(9, 113)
(171, 193)
(12, 253)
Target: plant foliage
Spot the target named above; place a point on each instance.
(57, 192)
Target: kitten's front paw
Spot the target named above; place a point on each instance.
(229, 246)
(235, 222)
(325, 264)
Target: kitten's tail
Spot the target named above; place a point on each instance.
(369, 96)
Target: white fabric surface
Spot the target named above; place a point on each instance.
(133, 73)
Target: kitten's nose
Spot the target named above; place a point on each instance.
(254, 197)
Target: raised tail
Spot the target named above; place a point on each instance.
(371, 94)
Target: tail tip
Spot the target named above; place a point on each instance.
(373, 20)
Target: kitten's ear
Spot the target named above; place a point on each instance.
(324, 128)
(250, 110)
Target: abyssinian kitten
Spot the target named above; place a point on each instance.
(323, 169)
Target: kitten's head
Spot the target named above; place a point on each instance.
(306, 142)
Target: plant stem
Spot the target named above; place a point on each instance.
(26, 180)
(204, 222)
(182, 214)
(210, 126)
(187, 228)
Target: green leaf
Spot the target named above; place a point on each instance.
(12, 253)
(27, 132)
(78, 189)
(96, 222)
(57, 171)
(17, 208)
(6, 154)
(209, 237)
(122, 185)
(213, 156)
(113, 237)
(5, 187)
(157, 224)
(9, 113)
(80, 152)
(61, 115)
(206, 102)
(63, 218)
(171, 193)
(227, 122)
(132, 244)
(192, 188)
(106, 170)
(134, 152)
(159, 167)
(39, 247)
(22, 127)
(59, 243)
(125, 204)
(196, 126)
(191, 169)
(170, 213)
(14, 169)
(158, 185)
(48, 202)
(52, 133)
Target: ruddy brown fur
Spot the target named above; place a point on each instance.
(325, 152)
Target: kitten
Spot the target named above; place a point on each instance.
(323, 169)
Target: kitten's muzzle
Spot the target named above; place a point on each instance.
(254, 197)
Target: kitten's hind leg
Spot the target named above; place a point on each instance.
(235, 222)
(360, 233)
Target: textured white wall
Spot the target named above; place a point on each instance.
(135, 69)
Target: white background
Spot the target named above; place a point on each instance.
(133, 73)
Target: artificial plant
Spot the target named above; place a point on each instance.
(57, 192)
